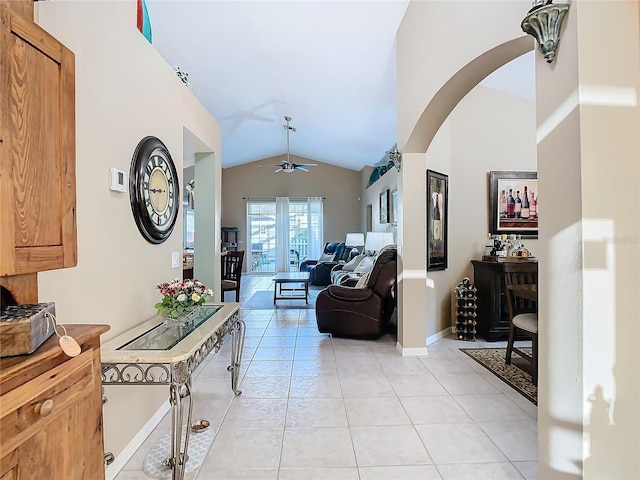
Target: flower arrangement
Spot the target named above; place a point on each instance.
(181, 296)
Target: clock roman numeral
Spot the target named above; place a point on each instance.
(149, 168)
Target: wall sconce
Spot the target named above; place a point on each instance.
(543, 22)
(395, 157)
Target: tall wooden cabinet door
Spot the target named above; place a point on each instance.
(37, 148)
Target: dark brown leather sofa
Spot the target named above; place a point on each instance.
(362, 313)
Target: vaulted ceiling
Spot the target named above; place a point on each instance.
(330, 65)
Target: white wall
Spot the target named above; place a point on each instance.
(488, 130)
(587, 136)
(431, 81)
(371, 196)
(124, 91)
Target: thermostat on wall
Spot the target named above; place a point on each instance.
(118, 180)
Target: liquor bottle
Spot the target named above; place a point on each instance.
(511, 203)
(533, 207)
(436, 222)
(503, 204)
(488, 247)
(517, 208)
(525, 212)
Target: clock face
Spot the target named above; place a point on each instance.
(153, 187)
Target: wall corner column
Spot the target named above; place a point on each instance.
(412, 274)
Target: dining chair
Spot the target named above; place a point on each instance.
(231, 272)
(523, 311)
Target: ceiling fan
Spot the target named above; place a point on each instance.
(287, 166)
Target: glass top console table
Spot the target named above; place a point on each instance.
(160, 352)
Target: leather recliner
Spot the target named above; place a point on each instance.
(320, 274)
(329, 249)
(362, 313)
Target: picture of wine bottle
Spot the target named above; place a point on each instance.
(517, 208)
(503, 204)
(437, 231)
(511, 203)
(525, 212)
(533, 207)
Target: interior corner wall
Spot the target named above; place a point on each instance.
(371, 196)
(424, 66)
(488, 130)
(339, 186)
(124, 92)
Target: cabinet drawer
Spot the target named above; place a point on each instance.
(29, 407)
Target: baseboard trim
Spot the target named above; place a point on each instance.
(418, 351)
(127, 452)
(437, 336)
(411, 352)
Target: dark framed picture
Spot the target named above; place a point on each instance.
(393, 207)
(513, 203)
(437, 220)
(384, 206)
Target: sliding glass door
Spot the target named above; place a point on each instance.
(263, 241)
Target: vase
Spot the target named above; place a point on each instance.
(186, 315)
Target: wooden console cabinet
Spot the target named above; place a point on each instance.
(493, 317)
(37, 147)
(51, 411)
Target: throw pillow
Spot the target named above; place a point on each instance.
(365, 265)
(362, 282)
(353, 263)
(325, 257)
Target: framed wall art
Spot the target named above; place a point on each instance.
(384, 206)
(437, 220)
(513, 203)
(393, 207)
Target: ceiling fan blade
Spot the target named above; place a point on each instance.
(307, 164)
(278, 170)
(298, 167)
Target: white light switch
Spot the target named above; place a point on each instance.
(175, 259)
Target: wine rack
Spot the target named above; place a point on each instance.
(466, 306)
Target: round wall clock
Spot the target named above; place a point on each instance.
(153, 190)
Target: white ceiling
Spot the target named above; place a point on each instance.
(330, 65)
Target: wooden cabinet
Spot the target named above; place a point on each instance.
(493, 318)
(51, 411)
(37, 148)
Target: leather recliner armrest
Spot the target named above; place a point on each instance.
(349, 294)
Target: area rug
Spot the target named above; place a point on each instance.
(517, 375)
(199, 444)
(263, 300)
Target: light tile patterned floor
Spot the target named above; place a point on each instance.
(316, 407)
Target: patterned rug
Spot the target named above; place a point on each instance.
(517, 375)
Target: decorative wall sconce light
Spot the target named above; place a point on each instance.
(543, 22)
(396, 158)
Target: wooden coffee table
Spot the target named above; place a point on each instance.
(291, 278)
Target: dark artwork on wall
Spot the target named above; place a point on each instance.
(513, 203)
(384, 206)
(437, 220)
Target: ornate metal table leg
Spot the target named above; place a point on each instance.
(179, 457)
(237, 346)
